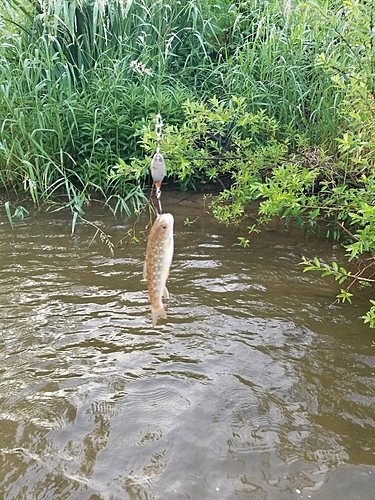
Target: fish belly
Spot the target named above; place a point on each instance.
(157, 270)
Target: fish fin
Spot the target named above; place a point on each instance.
(145, 270)
(165, 293)
(158, 313)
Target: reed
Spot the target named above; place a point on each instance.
(79, 80)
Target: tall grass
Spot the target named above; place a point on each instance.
(270, 59)
(79, 79)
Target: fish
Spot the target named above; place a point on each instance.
(159, 255)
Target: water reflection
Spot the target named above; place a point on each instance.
(253, 387)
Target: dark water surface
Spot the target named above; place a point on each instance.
(254, 388)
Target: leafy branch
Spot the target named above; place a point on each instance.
(341, 275)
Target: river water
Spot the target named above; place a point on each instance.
(253, 388)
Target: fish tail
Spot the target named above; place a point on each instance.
(158, 313)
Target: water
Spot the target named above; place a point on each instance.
(253, 388)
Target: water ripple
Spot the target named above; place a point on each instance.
(252, 388)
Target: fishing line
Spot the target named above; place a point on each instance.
(158, 163)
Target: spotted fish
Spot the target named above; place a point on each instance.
(159, 254)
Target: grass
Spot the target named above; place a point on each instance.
(80, 80)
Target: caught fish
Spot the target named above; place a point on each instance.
(159, 254)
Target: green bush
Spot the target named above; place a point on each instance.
(81, 79)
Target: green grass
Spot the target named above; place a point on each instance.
(80, 80)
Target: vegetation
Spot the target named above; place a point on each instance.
(272, 100)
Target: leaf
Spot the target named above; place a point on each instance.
(9, 215)
(314, 214)
(309, 268)
(74, 221)
(345, 295)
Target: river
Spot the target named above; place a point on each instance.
(252, 388)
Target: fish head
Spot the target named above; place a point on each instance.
(163, 226)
